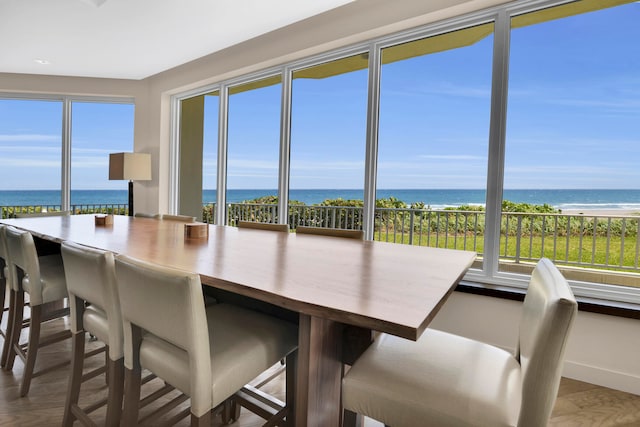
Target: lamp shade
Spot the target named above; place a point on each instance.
(130, 166)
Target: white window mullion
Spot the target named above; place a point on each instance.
(65, 200)
(371, 153)
(497, 136)
(285, 148)
(174, 166)
(221, 185)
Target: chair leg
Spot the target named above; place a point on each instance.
(32, 350)
(116, 390)
(3, 295)
(351, 419)
(7, 338)
(291, 375)
(202, 421)
(16, 329)
(229, 407)
(106, 363)
(132, 384)
(75, 379)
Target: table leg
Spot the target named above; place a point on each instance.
(318, 389)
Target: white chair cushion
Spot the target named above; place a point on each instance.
(441, 380)
(54, 286)
(94, 321)
(242, 344)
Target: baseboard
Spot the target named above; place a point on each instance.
(602, 377)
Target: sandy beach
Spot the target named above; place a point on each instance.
(601, 212)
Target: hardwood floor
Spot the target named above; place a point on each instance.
(579, 404)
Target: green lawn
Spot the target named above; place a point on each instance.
(567, 250)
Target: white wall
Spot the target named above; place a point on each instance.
(602, 349)
(80, 86)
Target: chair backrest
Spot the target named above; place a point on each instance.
(147, 215)
(169, 304)
(264, 226)
(183, 218)
(4, 257)
(23, 263)
(37, 214)
(91, 276)
(333, 232)
(4, 252)
(547, 316)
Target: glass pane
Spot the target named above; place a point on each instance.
(433, 140)
(210, 154)
(30, 153)
(97, 130)
(328, 138)
(573, 143)
(253, 149)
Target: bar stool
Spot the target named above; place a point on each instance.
(284, 228)
(95, 309)
(333, 232)
(146, 215)
(264, 226)
(42, 278)
(7, 285)
(4, 280)
(208, 353)
(447, 380)
(181, 218)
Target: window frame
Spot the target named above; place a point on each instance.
(66, 148)
(489, 277)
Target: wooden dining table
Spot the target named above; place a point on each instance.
(334, 285)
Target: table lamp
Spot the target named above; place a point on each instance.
(130, 166)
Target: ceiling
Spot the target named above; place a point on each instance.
(134, 39)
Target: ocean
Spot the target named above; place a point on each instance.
(436, 199)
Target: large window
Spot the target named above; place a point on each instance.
(515, 135)
(328, 139)
(37, 154)
(253, 141)
(97, 130)
(573, 137)
(30, 152)
(433, 138)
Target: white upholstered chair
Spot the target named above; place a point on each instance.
(147, 215)
(182, 218)
(333, 232)
(5, 282)
(447, 380)
(283, 228)
(95, 309)
(208, 353)
(42, 278)
(263, 226)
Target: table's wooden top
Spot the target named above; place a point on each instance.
(387, 287)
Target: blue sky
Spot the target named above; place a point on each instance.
(30, 143)
(573, 120)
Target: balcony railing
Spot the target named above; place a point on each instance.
(114, 208)
(601, 242)
(587, 241)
